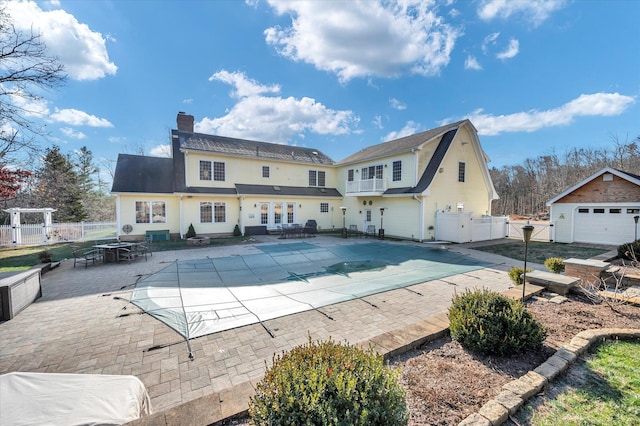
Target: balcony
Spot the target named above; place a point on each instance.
(366, 187)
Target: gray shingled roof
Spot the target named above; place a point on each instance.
(431, 169)
(286, 190)
(252, 149)
(137, 173)
(397, 146)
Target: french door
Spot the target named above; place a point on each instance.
(277, 213)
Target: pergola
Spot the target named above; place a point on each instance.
(16, 230)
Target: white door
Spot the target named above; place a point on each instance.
(368, 221)
(604, 225)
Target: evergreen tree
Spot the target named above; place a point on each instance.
(58, 186)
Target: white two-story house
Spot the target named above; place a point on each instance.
(215, 183)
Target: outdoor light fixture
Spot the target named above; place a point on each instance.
(344, 223)
(635, 219)
(527, 230)
(381, 230)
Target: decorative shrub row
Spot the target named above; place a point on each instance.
(490, 323)
(325, 383)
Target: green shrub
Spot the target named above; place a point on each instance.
(236, 231)
(490, 323)
(191, 232)
(554, 264)
(629, 250)
(324, 383)
(515, 273)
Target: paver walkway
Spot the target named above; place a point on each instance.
(83, 324)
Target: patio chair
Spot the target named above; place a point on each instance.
(371, 231)
(126, 254)
(148, 242)
(86, 256)
(141, 249)
(353, 231)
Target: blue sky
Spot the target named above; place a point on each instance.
(535, 77)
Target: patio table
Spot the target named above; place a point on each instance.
(111, 250)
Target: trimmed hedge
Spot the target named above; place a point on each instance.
(515, 273)
(325, 383)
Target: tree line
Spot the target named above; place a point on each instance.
(524, 189)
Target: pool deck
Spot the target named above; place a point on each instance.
(83, 324)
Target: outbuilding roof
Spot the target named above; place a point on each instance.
(621, 174)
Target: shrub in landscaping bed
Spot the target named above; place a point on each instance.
(325, 383)
(490, 323)
(554, 264)
(515, 273)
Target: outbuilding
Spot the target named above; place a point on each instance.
(603, 208)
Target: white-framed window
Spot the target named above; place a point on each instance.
(266, 172)
(213, 212)
(350, 175)
(317, 178)
(219, 212)
(151, 212)
(206, 212)
(264, 214)
(205, 170)
(324, 207)
(462, 166)
(212, 170)
(397, 171)
(372, 172)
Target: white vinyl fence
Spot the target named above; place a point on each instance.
(37, 234)
(464, 228)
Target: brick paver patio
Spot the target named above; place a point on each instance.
(83, 324)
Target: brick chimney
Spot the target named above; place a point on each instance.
(185, 122)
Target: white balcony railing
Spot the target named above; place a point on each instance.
(367, 185)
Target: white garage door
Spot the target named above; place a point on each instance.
(605, 225)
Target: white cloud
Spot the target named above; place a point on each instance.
(534, 11)
(377, 121)
(471, 63)
(243, 86)
(488, 41)
(597, 104)
(273, 118)
(511, 50)
(70, 133)
(187, 101)
(29, 106)
(161, 151)
(409, 129)
(396, 104)
(82, 51)
(116, 139)
(76, 117)
(362, 38)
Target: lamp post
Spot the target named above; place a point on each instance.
(344, 221)
(527, 230)
(381, 230)
(635, 219)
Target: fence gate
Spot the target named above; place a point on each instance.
(542, 231)
(463, 227)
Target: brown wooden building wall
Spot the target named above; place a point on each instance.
(600, 191)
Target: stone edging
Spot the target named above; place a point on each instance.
(517, 392)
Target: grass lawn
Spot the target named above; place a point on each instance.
(22, 258)
(602, 390)
(541, 251)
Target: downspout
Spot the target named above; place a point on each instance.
(118, 218)
(241, 216)
(420, 216)
(181, 218)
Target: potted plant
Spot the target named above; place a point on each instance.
(45, 256)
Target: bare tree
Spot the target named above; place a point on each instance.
(25, 71)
